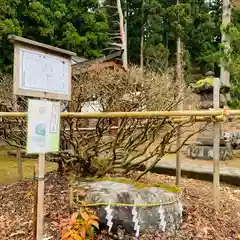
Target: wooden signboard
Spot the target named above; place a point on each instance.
(41, 70)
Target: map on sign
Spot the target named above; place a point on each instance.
(42, 72)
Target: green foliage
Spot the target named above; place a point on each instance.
(80, 26)
(83, 27)
(197, 23)
(9, 24)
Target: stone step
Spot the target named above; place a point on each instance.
(199, 170)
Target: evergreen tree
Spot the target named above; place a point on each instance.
(80, 26)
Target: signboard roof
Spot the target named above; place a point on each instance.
(55, 50)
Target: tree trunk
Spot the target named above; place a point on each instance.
(181, 93)
(122, 34)
(226, 19)
(142, 37)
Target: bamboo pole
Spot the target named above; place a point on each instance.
(150, 114)
(147, 114)
(170, 120)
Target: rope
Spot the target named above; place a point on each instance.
(131, 205)
(225, 114)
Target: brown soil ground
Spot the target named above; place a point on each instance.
(200, 221)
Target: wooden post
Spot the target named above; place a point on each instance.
(40, 200)
(181, 92)
(18, 150)
(71, 200)
(19, 163)
(216, 143)
(35, 195)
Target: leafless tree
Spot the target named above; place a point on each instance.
(112, 144)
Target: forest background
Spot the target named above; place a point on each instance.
(88, 27)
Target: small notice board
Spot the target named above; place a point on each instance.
(41, 70)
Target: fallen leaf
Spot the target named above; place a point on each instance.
(17, 233)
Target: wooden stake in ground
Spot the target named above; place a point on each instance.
(40, 200)
(35, 195)
(19, 163)
(216, 143)
(18, 154)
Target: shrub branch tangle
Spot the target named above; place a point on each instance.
(96, 152)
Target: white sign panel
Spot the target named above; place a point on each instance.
(43, 133)
(42, 72)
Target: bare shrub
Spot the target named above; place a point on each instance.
(98, 151)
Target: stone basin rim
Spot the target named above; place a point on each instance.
(177, 191)
(137, 185)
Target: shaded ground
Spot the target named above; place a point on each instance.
(199, 220)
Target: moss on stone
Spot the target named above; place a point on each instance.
(200, 83)
(137, 185)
